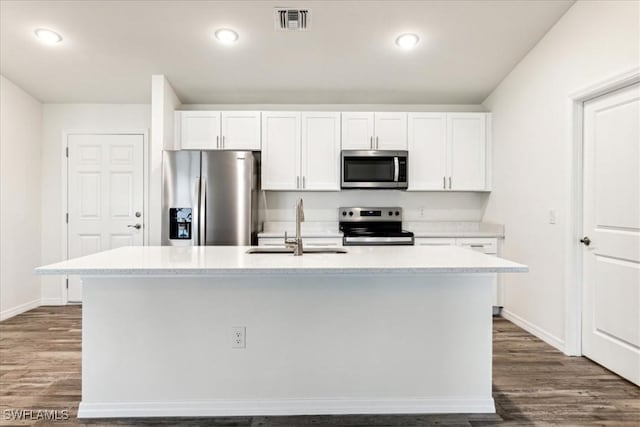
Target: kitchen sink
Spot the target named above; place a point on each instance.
(283, 250)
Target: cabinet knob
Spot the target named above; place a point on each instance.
(585, 241)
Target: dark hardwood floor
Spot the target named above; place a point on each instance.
(533, 383)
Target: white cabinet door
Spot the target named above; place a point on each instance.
(310, 242)
(434, 241)
(390, 131)
(320, 167)
(467, 150)
(240, 130)
(487, 246)
(357, 131)
(280, 150)
(427, 151)
(198, 130)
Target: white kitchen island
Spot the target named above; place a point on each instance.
(390, 329)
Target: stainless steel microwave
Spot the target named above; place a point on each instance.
(374, 169)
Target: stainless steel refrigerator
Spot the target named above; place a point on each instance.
(209, 198)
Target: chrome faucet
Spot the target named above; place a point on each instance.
(296, 243)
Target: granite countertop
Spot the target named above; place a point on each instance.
(233, 260)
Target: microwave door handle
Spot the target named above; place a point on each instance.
(396, 169)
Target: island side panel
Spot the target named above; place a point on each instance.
(314, 345)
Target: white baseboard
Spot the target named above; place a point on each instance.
(52, 301)
(545, 336)
(265, 407)
(13, 311)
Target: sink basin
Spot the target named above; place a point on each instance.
(283, 250)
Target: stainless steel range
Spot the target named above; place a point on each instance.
(373, 226)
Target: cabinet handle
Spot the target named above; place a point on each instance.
(376, 142)
(304, 184)
(218, 141)
(444, 182)
(297, 182)
(449, 183)
(222, 141)
(371, 142)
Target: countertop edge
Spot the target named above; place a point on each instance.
(168, 272)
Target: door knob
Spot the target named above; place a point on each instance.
(136, 226)
(585, 241)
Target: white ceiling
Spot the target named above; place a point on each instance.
(111, 48)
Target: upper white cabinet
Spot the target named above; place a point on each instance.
(390, 131)
(320, 154)
(374, 131)
(467, 137)
(198, 130)
(280, 150)
(240, 130)
(214, 130)
(301, 151)
(448, 151)
(357, 131)
(427, 151)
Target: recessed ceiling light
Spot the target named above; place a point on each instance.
(47, 36)
(226, 36)
(407, 41)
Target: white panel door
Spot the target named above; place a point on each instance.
(390, 131)
(467, 150)
(357, 131)
(320, 151)
(281, 150)
(105, 196)
(611, 262)
(199, 130)
(427, 151)
(240, 130)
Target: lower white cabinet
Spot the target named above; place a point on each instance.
(487, 245)
(434, 241)
(311, 242)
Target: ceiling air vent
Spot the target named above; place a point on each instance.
(292, 19)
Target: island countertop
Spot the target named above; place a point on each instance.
(233, 260)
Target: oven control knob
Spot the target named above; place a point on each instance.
(350, 213)
(344, 213)
(390, 213)
(397, 213)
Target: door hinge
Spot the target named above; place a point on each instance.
(66, 151)
(66, 217)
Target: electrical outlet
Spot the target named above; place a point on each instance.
(553, 216)
(238, 337)
(421, 212)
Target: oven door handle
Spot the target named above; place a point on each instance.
(396, 169)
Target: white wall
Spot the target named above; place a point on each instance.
(532, 151)
(20, 189)
(56, 119)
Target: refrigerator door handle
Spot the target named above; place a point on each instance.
(196, 211)
(203, 213)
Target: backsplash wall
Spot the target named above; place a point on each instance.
(418, 206)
